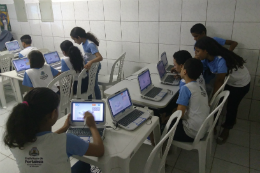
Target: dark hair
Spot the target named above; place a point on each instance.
(181, 56)
(25, 120)
(36, 59)
(194, 68)
(76, 58)
(198, 29)
(65, 46)
(26, 39)
(213, 48)
(77, 32)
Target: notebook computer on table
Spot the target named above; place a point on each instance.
(123, 113)
(13, 46)
(147, 89)
(166, 78)
(165, 62)
(21, 65)
(53, 59)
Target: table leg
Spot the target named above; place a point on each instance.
(17, 91)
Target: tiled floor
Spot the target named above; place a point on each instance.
(241, 153)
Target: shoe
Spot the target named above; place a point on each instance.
(223, 137)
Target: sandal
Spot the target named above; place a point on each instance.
(223, 137)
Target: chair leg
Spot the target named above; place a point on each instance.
(13, 88)
(202, 158)
(2, 95)
(103, 91)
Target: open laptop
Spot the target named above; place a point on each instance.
(166, 78)
(53, 59)
(165, 62)
(123, 112)
(13, 46)
(147, 89)
(21, 65)
(78, 109)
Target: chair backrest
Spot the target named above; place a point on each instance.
(210, 122)
(91, 81)
(158, 149)
(119, 63)
(44, 51)
(219, 90)
(5, 62)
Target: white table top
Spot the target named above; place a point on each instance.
(11, 74)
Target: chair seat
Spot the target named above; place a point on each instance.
(103, 80)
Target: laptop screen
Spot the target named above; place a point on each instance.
(161, 69)
(52, 57)
(21, 64)
(119, 102)
(79, 109)
(144, 80)
(12, 46)
(164, 59)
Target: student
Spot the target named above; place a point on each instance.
(36, 148)
(73, 61)
(39, 74)
(199, 30)
(223, 62)
(89, 43)
(26, 43)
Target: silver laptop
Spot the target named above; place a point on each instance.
(166, 78)
(13, 46)
(123, 112)
(147, 89)
(21, 65)
(78, 109)
(165, 62)
(53, 59)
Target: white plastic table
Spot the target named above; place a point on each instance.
(132, 84)
(120, 145)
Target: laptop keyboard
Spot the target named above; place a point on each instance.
(172, 79)
(169, 67)
(153, 92)
(84, 131)
(130, 117)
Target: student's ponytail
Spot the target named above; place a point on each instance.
(26, 118)
(77, 32)
(76, 58)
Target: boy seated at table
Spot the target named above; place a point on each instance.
(26, 43)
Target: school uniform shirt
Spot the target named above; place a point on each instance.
(195, 98)
(239, 78)
(49, 153)
(90, 49)
(26, 51)
(40, 77)
(220, 41)
(200, 81)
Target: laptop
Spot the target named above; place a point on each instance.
(53, 59)
(148, 90)
(21, 65)
(165, 62)
(166, 78)
(78, 109)
(13, 46)
(123, 112)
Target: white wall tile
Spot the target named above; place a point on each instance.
(35, 27)
(194, 10)
(132, 51)
(129, 10)
(16, 26)
(56, 11)
(33, 11)
(113, 31)
(221, 10)
(247, 11)
(57, 29)
(189, 49)
(130, 31)
(48, 43)
(132, 67)
(170, 32)
(247, 35)
(103, 70)
(83, 24)
(112, 10)
(81, 10)
(149, 53)
(170, 50)
(46, 29)
(67, 11)
(149, 32)
(218, 29)
(57, 41)
(37, 41)
(149, 10)
(96, 11)
(114, 49)
(103, 48)
(11, 11)
(170, 10)
(68, 26)
(186, 37)
(25, 28)
(98, 28)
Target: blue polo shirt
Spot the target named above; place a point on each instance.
(217, 66)
(89, 47)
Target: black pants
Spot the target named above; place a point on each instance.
(180, 134)
(234, 99)
(81, 167)
(84, 86)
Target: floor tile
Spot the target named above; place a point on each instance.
(12, 157)
(255, 128)
(239, 138)
(254, 171)
(221, 166)
(233, 153)
(168, 169)
(8, 166)
(172, 156)
(255, 159)
(178, 171)
(255, 142)
(3, 118)
(2, 157)
(2, 111)
(11, 105)
(242, 125)
(3, 149)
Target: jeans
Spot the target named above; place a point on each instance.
(180, 134)
(97, 90)
(81, 167)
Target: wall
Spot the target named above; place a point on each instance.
(146, 28)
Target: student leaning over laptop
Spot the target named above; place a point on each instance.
(39, 150)
(26, 43)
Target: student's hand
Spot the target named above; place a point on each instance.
(173, 70)
(67, 122)
(177, 76)
(88, 65)
(90, 122)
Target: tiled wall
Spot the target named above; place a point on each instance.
(146, 28)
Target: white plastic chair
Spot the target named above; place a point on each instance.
(65, 80)
(201, 140)
(5, 64)
(44, 51)
(156, 160)
(113, 78)
(91, 82)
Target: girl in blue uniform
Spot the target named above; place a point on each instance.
(92, 55)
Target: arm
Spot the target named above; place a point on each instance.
(220, 78)
(65, 127)
(233, 44)
(182, 108)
